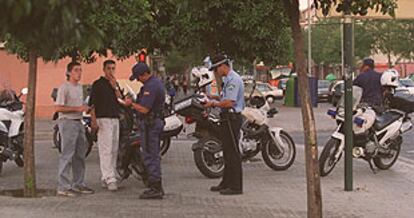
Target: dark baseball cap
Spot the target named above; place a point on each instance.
(217, 61)
(368, 62)
(139, 69)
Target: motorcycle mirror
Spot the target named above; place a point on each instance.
(24, 91)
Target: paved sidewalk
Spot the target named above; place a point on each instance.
(267, 193)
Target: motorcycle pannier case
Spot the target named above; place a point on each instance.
(189, 106)
(403, 102)
(173, 128)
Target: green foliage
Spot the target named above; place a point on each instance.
(358, 7)
(327, 43)
(390, 37)
(178, 61)
(243, 29)
(124, 24)
(46, 26)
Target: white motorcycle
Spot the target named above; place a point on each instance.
(377, 138)
(277, 147)
(11, 129)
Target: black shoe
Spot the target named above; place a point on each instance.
(152, 194)
(229, 191)
(217, 188)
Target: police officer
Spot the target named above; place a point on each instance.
(231, 103)
(370, 82)
(150, 103)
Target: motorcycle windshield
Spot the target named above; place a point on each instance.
(356, 98)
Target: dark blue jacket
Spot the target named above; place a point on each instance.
(370, 82)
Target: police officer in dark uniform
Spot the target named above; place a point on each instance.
(370, 81)
(150, 103)
(231, 103)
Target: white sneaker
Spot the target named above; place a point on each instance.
(112, 186)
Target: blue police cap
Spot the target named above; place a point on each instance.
(139, 69)
(368, 62)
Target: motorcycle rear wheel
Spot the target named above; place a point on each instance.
(58, 142)
(56, 139)
(205, 160)
(271, 156)
(19, 161)
(381, 162)
(327, 160)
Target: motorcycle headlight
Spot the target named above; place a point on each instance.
(332, 113)
(359, 121)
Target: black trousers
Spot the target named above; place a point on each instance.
(230, 128)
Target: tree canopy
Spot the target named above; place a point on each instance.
(245, 30)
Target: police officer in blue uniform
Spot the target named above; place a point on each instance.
(150, 103)
(370, 82)
(231, 103)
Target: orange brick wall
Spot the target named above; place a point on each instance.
(13, 74)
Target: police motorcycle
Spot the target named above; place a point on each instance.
(377, 137)
(11, 127)
(277, 147)
(90, 136)
(130, 161)
(173, 125)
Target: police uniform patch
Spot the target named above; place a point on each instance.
(231, 86)
(146, 93)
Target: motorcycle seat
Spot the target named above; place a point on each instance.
(386, 119)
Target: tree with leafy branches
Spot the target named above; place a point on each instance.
(314, 195)
(39, 29)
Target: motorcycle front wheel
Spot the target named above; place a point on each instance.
(1, 165)
(20, 149)
(327, 159)
(276, 159)
(208, 159)
(165, 145)
(56, 138)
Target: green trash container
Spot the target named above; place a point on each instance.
(290, 92)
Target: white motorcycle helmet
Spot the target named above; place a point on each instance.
(207, 62)
(390, 78)
(203, 76)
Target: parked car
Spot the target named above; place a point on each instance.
(271, 93)
(335, 91)
(323, 90)
(406, 85)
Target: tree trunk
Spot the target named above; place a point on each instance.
(74, 55)
(314, 196)
(389, 60)
(29, 163)
(255, 70)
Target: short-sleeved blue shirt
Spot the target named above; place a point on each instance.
(233, 89)
(370, 82)
(152, 94)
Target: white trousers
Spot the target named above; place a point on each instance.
(108, 144)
